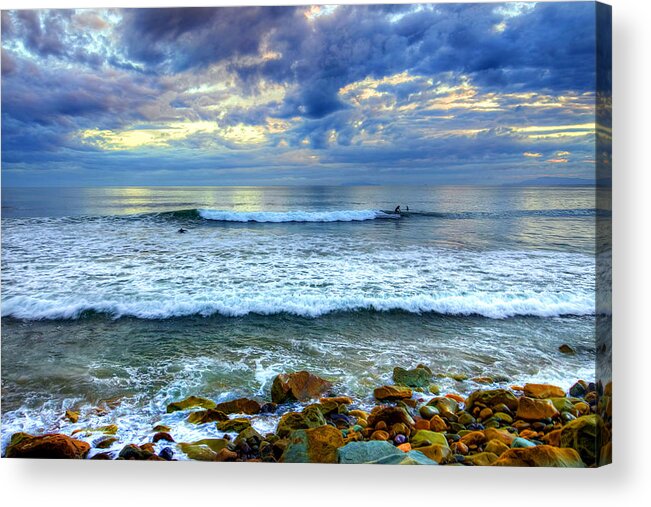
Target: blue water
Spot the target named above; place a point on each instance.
(102, 298)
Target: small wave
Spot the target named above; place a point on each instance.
(494, 306)
(294, 216)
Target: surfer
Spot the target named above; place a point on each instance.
(182, 230)
(397, 210)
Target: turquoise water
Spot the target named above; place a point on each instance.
(105, 304)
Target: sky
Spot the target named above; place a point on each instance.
(324, 95)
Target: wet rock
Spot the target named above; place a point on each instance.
(204, 453)
(418, 377)
(423, 438)
(542, 391)
(207, 416)
(390, 416)
(392, 393)
(408, 458)
(566, 349)
(437, 452)
(48, 446)
(531, 409)
(496, 447)
(540, 456)
(167, 454)
(162, 427)
(300, 386)
(132, 452)
(500, 435)
(191, 402)
(520, 442)
(249, 436)
(583, 435)
(366, 452)
(239, 406)
(491, 398)
(162, 435)
(316, 445)
(482, 380)
(104, 442)
(214, 444)
(427, 411)
(291, 421)
(380, 435)
(579, 389)
(481, 459)
(339, 400)
(234, 425)
(444, 405)
(475, 438)
(101, 456)
(110, 429)
(72, 416)
(268, 408)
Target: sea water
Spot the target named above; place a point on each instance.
(109, 310)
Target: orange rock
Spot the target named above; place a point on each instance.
(482, 380)
(501, 435)
(517, 388)
(392, 393)
(532, 409)
(436, 423)
(49, 446)
(541, 456)
(543, 391)
(380, 435)
(473, 438)
(301, 386)
(529, 434)
(340, 400)
(485, 413)
(459, 448)
(553, 438)
(406, 447)
(455, 397)
(423, 424)
(381, 426)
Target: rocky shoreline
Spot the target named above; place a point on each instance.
(529, 425)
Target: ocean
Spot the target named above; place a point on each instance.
(109, 310)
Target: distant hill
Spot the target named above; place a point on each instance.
(553, 181)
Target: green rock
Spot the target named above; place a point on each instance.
(198, 452)
(248, 435)
(505, 418)
(214, 444)
(584, 436)
(459, 377)
(206, 416)
(427, 411)
(492, 397)
(424, 438)
(405, 458)
(434, 389)
(444, 405)
(418, 377)
(465, 418)
(366, 452)
(564, 405)
(233, 425)
(316, 445)
(191, 402)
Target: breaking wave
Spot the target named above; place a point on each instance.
(495, 306)
(294, 216)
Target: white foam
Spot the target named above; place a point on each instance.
(294, 216)
(487, 305)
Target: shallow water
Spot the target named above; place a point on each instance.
(103, 300)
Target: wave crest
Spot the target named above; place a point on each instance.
(294, 216)
(494, 306)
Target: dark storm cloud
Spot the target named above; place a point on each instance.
(67, 71)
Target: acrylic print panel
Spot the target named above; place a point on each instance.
(341, 234)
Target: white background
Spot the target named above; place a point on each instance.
(627, 482)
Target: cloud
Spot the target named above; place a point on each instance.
(449, 92)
